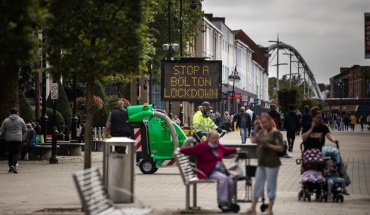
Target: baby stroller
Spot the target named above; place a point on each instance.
(311, 174)
(333, 153)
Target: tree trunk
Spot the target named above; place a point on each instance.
(9, 90)
(89, 120)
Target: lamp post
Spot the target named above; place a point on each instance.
(74, 110)
(170, 49)
(277, 81)
(277, 59)
(137, 91)
(234, 77)
(340, 84)
(44, 117)
(181, 114)
(290, 68)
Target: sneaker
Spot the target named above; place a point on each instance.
(287, 155)
(13, 169)
(224, 207)
(10, 170)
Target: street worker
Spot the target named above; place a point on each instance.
(203, 124)
(209, 155)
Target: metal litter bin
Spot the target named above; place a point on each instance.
(118, 169)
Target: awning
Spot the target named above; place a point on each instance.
(345, 108)
(364, 108)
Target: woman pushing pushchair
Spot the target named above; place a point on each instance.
(314, 136)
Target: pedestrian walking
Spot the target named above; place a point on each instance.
(253, 118)
(227, 121)
(15, 131)
(362, 121)
(268, 162)
(202, 123)
(291, 124)
(306, 116)
(346, 122)
(341, 124)
(243, 122)
(353, 121)
(275, 116)
(117, 122)
(337, 122)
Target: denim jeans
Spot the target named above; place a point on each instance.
(243, 134)
(265, 175)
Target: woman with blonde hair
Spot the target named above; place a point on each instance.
(268, 141)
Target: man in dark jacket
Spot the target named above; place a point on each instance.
(117, 123)
(291, 124)
(243, 122)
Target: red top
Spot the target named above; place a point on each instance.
(205, 159)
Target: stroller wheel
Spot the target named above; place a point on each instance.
(234, 208)
(264, 207)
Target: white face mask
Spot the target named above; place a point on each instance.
(212, 145)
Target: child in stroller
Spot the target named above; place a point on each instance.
(335, 184)
(311, 175)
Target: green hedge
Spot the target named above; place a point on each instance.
(100, 117)
(25, 110)
(50, 124)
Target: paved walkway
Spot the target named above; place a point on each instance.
(40, 185)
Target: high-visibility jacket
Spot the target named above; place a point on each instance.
(202, 124)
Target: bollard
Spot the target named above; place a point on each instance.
(53, 158)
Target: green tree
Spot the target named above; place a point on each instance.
(94, 39)
(62, 105)
(17, 21)
(25, 110)
(287, 97)
(99, 91)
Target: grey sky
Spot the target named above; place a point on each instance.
(329, 34)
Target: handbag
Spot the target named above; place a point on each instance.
(285, 146)
(40, 139)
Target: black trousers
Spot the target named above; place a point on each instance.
(290, 137)
(14, 149)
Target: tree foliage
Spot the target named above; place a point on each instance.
(159, 29)
(95, 39)
(18, 19)
(25, 110)
(287, 97)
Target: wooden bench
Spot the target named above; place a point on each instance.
(188, 175)
(94, 198)
(42, 152)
